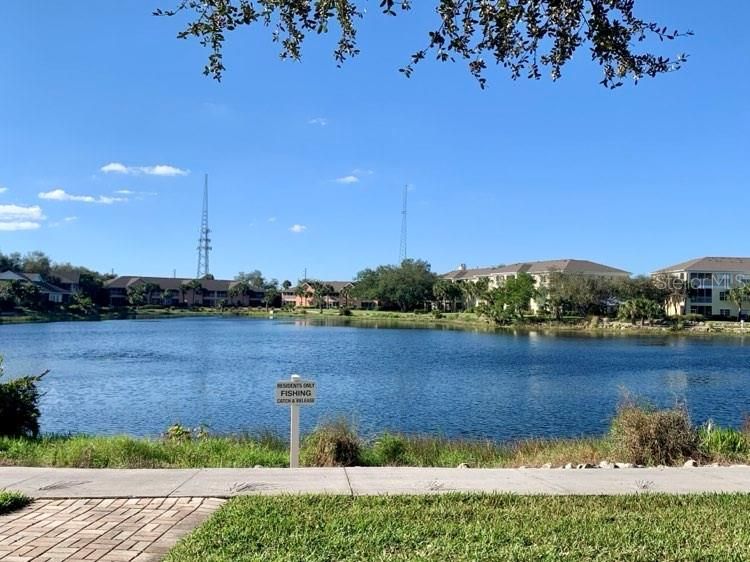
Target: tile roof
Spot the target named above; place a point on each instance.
(710, 264)
(168, 283)
(34, 278)
(571, 266)
(72, 278)
(338, 286)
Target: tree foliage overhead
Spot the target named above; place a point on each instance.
(520, 35)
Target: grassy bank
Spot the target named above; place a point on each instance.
(238, 452)
(650, 438)
(457, 320)
(11, 501)
(81, 451)
(473, 527)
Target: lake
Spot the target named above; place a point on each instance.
(140, 376)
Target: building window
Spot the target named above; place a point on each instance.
(723, 295)
(703, 296)
(724, 313)
(706, 311)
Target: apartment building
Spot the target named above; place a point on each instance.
(702, 285)
(176, 291)
(538, 270)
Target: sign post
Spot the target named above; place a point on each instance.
(293, 393)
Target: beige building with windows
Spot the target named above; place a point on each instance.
(701, 286)
(539, 271)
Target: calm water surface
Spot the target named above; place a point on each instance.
(139, 376)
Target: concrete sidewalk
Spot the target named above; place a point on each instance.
(226, 482)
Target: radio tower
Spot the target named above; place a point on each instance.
(204, 243)
(402, 249)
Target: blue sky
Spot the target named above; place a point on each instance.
(639, 178)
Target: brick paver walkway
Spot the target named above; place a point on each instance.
(88, 530)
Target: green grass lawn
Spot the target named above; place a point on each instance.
(456, 528)
(11, 501)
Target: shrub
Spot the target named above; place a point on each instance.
(437, 314)
(389, 450)
(19, 405)
(641, 434)
(721, 443)
(332, 444)
(345, 311)
(178, 433)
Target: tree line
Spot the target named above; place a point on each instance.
(12, 294)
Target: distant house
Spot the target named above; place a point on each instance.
(51, 293)
(176, 291)
(303, 296)
(69, 282)
(702, 285)
(540, 271)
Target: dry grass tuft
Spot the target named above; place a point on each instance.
(334, 443)
(641, 434)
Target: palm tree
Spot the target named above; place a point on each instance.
(300, 291)
(738, 295)
(184, 288)
(149, 289)
(196, 287)
(639, 309)
(475, 291)
(440, 291)
(168, 295)
(678, 291)
(320, 291)
(240, 289)
(270, 293)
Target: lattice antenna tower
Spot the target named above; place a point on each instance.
(402, 253)
(204, 243)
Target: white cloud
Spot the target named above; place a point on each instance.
(62, 195)
(66, 220)
(106, 200)
(271, 219)
(3, 189)
(19, 217)
(348, 179)
(18, 225)
(355, 176)
(164, 170)
(320, 121)
(20, 212)
(114, 168)
(137, 195)
(297, 228)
